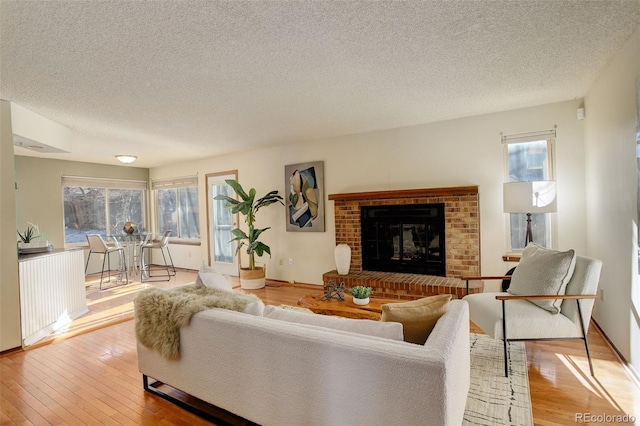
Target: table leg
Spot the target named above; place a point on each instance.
(131, 258)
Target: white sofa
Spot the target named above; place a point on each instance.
(273, 372)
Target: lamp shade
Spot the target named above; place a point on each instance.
(530, 197)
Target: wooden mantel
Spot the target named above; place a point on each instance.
(406, 193)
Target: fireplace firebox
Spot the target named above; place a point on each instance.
(404, 238)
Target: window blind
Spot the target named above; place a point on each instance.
(103, 183)
(177, 182)
(529, 137)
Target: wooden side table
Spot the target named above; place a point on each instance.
(346, 308)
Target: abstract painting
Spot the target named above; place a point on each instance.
(304, 195)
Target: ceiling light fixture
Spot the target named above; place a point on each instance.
(126, 159)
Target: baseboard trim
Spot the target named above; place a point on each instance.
(631, 372)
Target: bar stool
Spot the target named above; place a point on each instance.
(162, 244)
(98, 245)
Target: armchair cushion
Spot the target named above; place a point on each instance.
(543, 271)
(524, 320)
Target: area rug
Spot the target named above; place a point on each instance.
(494, 399)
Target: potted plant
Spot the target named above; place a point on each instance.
(27, 243)
(28, 235)
(361, 294)
(252, 277)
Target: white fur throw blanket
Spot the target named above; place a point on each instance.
(159, 314)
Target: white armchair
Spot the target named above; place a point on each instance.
(521, 319)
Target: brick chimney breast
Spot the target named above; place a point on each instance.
(462, 222)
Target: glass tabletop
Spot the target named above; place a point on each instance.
(135, 237)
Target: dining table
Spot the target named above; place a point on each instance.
(132, 244)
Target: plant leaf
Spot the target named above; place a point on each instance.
(256, 233)
(226, 198)
(262, 248)
(270, 198)
(237, 188)
(239, 234)
(239, 247)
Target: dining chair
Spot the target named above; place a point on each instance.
(99, 246)
(145, 268)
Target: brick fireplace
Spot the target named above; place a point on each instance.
(462, 232)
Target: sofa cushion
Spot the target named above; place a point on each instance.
(209, 277)
(255, 308)
(368, 327)
(543, 271)
(418, 317)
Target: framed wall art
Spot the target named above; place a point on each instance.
(304, 196)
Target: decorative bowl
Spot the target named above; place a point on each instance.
(129, 228)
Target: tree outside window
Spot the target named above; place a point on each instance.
(178, 212)
(100, 210)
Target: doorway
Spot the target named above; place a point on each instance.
(220, 222)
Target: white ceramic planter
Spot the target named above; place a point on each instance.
(33, 244)
(342, 254)
(34, 247)
(252, 284)
(361, 302)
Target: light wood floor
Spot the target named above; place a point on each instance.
(92, 378)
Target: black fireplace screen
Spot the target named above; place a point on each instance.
(407, 238)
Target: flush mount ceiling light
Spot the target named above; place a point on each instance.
(126, 159)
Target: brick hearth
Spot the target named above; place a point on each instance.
(393, 285)
(462, 234)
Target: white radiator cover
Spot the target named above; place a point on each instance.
(52, 293)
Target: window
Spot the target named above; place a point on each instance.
(100, 206)
(529, 157)
(223, 251)
(177, 207)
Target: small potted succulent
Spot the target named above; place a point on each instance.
(27, 243)
(361, 294)
(28, 235)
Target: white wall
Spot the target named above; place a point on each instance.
(35, 127)
(459, 152)
(39, 195)
(611, 194)
(10, 335)
(183, 255)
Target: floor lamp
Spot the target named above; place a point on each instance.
(530, 197)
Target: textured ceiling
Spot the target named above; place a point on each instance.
(177, 80)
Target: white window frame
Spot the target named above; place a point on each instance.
(175, 183)
(107, 184)
(550, 137)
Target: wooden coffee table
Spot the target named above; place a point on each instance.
(345, 308)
